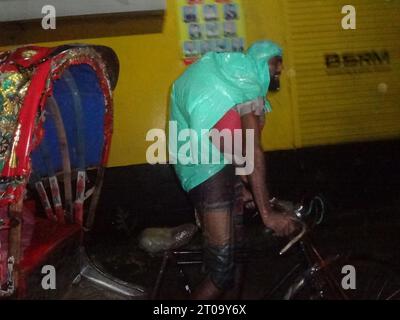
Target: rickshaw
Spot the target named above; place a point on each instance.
(56, 118)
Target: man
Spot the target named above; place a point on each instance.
(224, 91)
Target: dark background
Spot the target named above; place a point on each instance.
(360, 182)
(350, 176)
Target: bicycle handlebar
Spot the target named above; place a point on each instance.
(299, 215)
(295, 239)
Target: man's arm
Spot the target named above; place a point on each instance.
(282, 225)
(257, 179)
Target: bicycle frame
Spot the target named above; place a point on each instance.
(313, 266)
(316, 269)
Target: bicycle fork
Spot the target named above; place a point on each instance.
(320, 270)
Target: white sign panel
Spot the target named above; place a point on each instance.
(17, 10)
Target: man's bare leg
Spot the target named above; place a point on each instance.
(217, 232)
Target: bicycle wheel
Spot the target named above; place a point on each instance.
(347, 279)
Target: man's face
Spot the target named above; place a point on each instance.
(275, 70)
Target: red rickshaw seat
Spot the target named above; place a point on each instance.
(47, 237)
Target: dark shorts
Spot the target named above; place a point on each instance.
(218, 192)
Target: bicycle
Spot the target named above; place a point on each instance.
(314, 277)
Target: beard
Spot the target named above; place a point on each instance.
(274, 84)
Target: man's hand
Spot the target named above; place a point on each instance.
(282, 224)
(248, 199)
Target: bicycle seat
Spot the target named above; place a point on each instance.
(159, 240)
